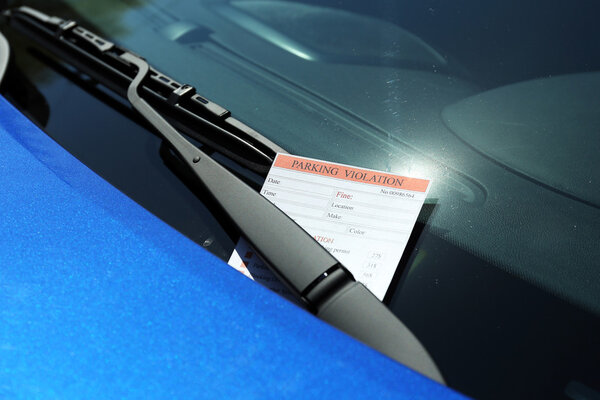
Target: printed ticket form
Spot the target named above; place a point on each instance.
(362, 217)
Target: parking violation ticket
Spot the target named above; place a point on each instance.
(362, 217)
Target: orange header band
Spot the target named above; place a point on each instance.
(350, 173)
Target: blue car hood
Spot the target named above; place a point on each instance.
(100, 299)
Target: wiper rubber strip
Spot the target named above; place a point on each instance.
(315, 276)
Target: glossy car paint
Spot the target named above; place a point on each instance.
(100, 299)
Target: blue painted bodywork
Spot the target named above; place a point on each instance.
(100, 299)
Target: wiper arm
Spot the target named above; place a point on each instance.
(315, 276)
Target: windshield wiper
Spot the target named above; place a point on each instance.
(323, 284)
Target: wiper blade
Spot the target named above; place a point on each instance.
(191, 113)
(312, 274)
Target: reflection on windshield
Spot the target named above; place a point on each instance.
(490, 100)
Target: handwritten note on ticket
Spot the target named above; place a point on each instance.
(362, 217)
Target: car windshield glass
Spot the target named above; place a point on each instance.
(497, 102)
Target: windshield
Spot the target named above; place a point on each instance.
(496, 102)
